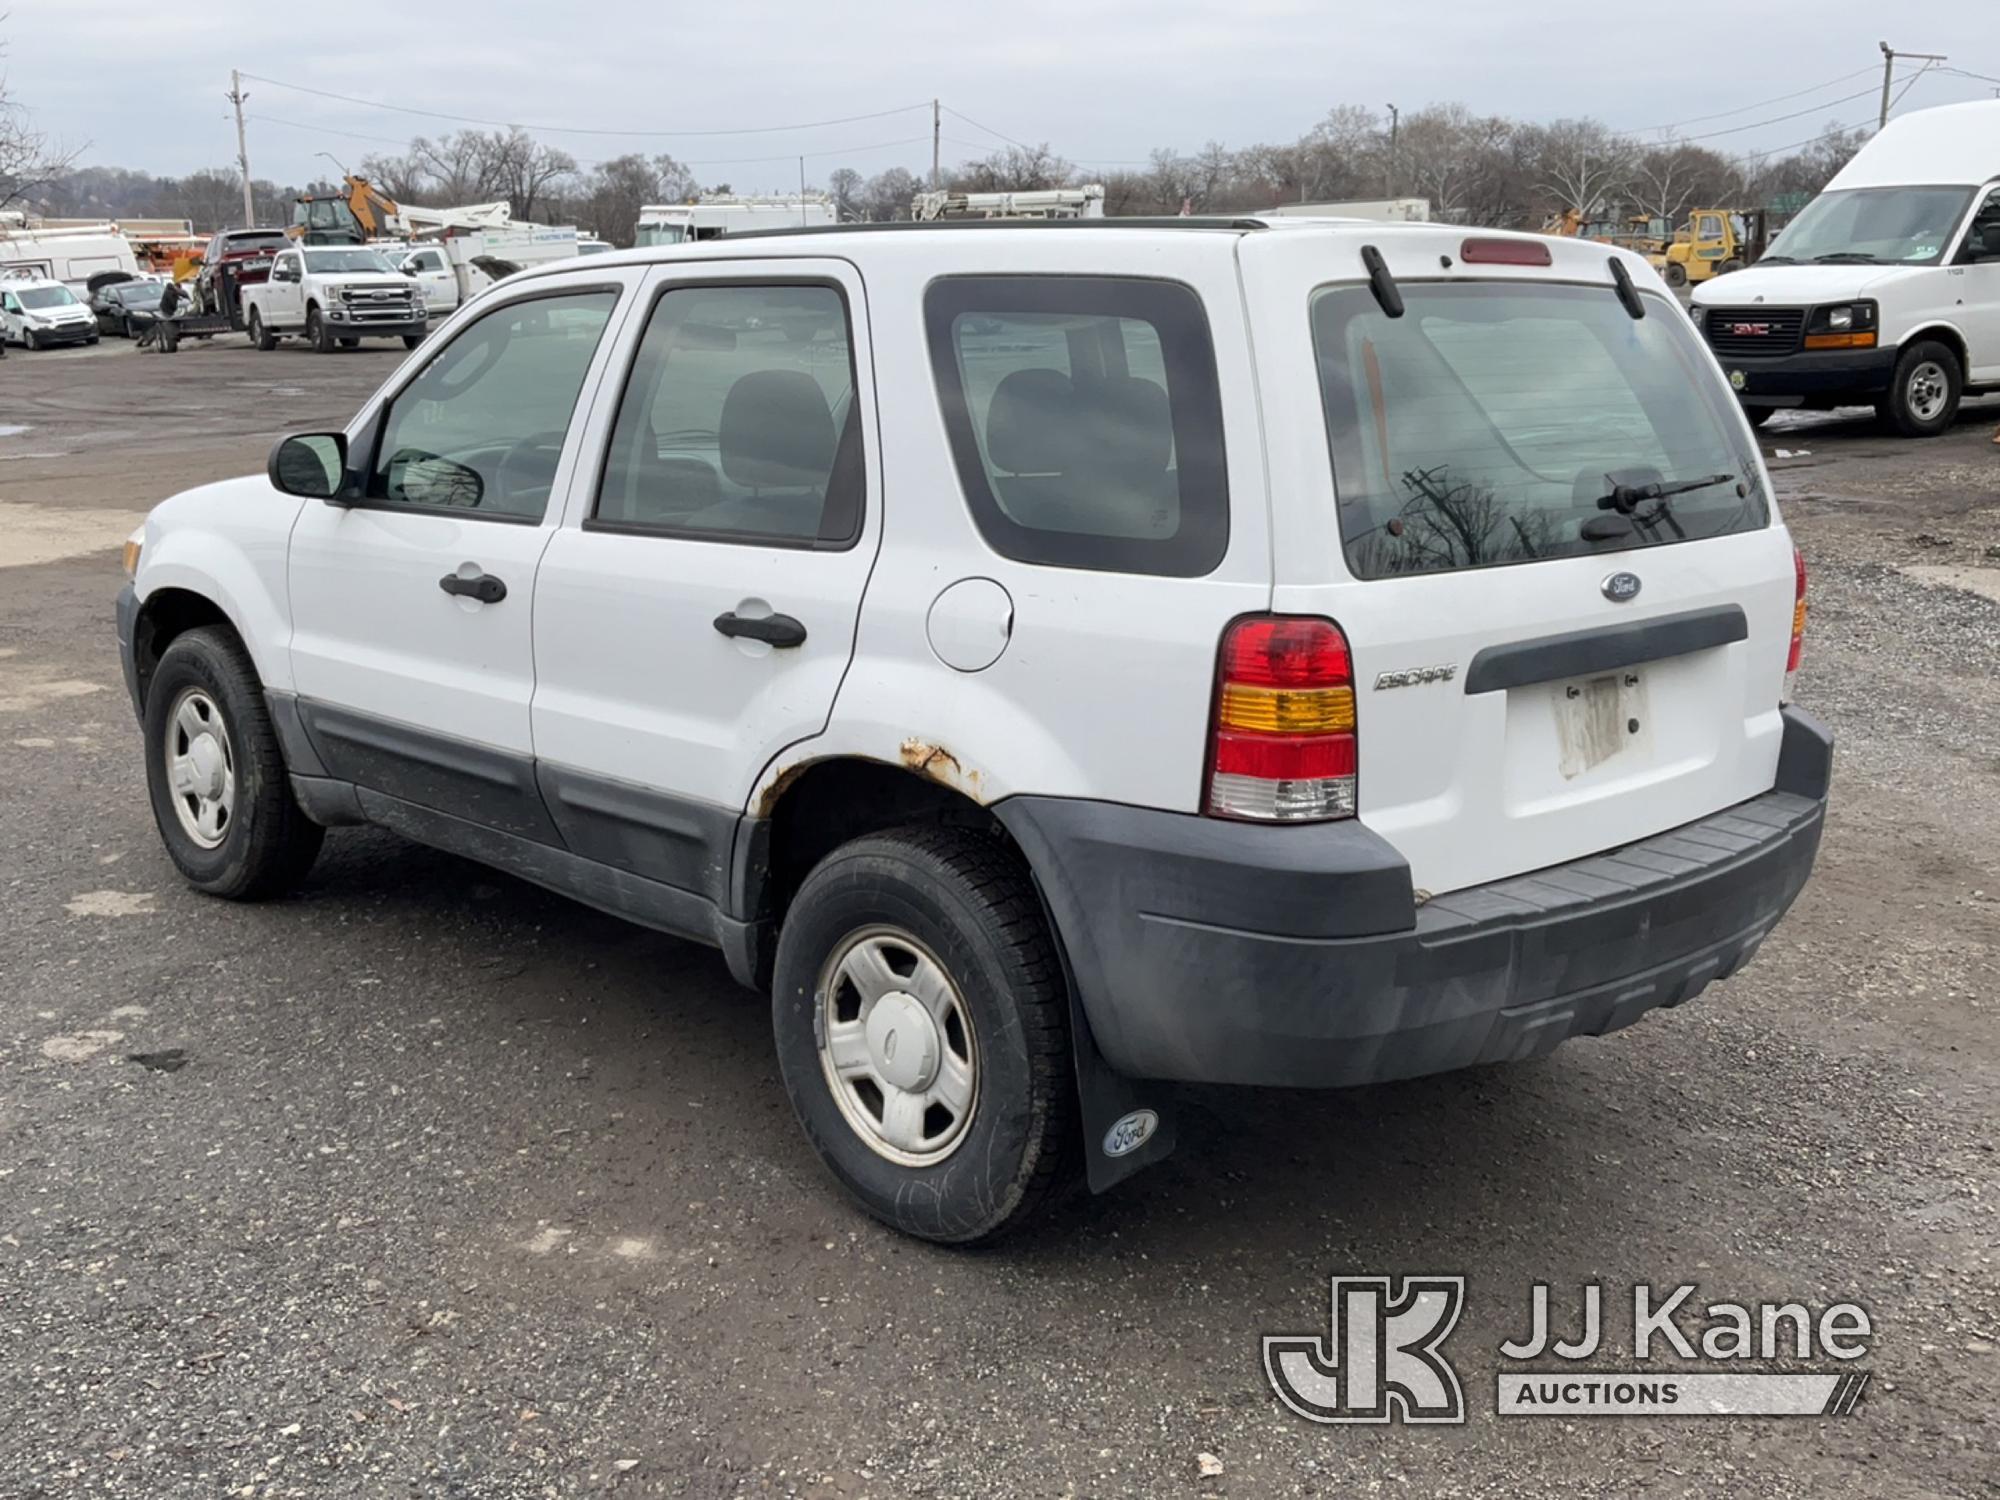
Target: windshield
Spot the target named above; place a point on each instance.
(347, 260)
(1485, 426)
(1884, 226)
(40, 297)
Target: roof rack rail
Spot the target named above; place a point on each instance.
(1234, 224)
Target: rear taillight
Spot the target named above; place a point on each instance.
(1283, 748)
(1798, 624)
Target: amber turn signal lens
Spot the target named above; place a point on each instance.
(1283, 711)
(1840, 341)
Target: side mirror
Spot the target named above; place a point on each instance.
(309, 465)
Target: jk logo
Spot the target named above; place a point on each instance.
(1380, 1360)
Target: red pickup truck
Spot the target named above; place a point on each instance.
(248, 253)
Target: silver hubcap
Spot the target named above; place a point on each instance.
(1928, 389)
(201, 768)
(896, 1045)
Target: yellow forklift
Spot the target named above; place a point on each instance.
(1714, 242)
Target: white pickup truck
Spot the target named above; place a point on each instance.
(334, 296)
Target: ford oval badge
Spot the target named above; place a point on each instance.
(1621, 588)
(1129, 1132)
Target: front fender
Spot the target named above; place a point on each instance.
(227, 542)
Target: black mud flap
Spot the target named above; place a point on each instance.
(1127, 1123)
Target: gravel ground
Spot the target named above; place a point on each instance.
(426, 1182)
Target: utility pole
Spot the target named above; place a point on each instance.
(1395, 124)
(1889, 56)
(937, 141)
(236, 97)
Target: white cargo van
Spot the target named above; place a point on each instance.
(1885, 291)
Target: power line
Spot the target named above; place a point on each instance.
(1760, 104)
(958, 114)
(1710, 135)
(433, 114)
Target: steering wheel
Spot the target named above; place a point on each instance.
(520, 470)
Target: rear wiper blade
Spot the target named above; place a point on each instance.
(1625, 498)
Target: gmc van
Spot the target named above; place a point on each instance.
(1885, 290)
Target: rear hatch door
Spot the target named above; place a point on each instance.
(1550, 659)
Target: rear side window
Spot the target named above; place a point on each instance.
(1504, 423)
(1084, 419)
(739, 421)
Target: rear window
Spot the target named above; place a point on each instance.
(238, 244)
(1084, 419)
(1495, 423)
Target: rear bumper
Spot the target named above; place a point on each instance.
(1858, 376)
(1226, 953)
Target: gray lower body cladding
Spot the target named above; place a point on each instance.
(1321, 991)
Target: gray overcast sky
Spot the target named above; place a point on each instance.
(1100, 80)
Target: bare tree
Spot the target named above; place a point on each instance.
(1668, 180)
(1015, 170)
(888, 194)
(1581, 164)
(845, 184)
(1445, 153)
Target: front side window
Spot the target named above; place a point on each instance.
(481, 429)
(739, 421)
(1873, 226)
(1982, 235)
(1085, 419)
(1499, 422)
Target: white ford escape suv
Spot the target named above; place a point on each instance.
(1051, 659)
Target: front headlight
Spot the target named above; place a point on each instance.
(134, 545)
(1843, 317)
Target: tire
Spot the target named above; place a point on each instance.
(91, 340)
(1925, 390)
(317, 332)
(961, 900)
(350, 343)
(412, 340)
(1728, 266)
(265, 843)
(261, 336)
(32, 339)
(1677, 274)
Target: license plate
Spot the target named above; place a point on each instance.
(1598, 718)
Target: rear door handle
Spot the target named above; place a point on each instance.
(775, 630)
(481, 586)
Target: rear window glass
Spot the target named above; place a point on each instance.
(1084, 419)
(1503, 423)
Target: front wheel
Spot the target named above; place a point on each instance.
(317, 332)
(922, 1030)
(1677, 275)
(1925, 390)
(216, 773)
(32, 339)
(411, 340)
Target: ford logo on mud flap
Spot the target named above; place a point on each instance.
(1129, 1132)
(1621, 588)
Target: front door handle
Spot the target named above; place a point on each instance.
(774, 630)
(481, 586)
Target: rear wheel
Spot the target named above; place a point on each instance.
(317, 333)
(216, 773)
(261, 336)
(922, 1030)
(1925, 390)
